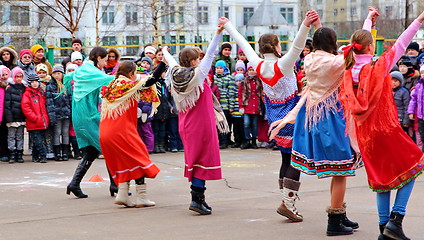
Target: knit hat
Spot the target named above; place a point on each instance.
(35, 48)
(25, 51)
(422, 68)
(240, 64)
(15, 72)
(77, 40)
(58, 68)
(33, 77)
(239, 51)
(71, 67)
(76, 56)
(221, 63)
(414, 45)
(40, 67)
(150, 49)
(225, 45)
(397, 75)
(4, 68)
(406, 62)
(239, 77)
(147, 59)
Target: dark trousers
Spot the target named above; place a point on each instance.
(421, 130)
(238, 129)
(159, 127)
(225, 138)
(173, 134)
(38, 143)
(251, 126)
(4, 150)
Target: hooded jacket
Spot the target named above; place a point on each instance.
(13, 62)
(34, 108)
(58, 104)
(12, 103)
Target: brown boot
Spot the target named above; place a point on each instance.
(289, 188)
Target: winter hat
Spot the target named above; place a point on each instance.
(239, 51)
(76, 56)
(40, 67)
(150, 49)
(35, 48)
(33, 77)
(414, 45)
(225, 45)
(240, 64)
(77, 40)
(4, 68)
(71, 67)
(406, 62)
(15, 72)
(239, 77)
(422, 68)
(147, 59)
(58, 68)
(25, 51)
(221, 63)
(397, 75)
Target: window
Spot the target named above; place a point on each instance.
(132, 40)
(225, 38)
(19, 15)
(181, 14)
(251, 39)
(109, 41)
(353, 11)
(131, 15)
(108, 14)
(287, 14)
(247, 14)
(182, 39)
(335, 12)
(225, 13)
(173, 41)
(65, 42)
(172, 14)
(1, 39)
(203, 15)
(284, 44)
(342, 10)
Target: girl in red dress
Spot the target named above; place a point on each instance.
(125, 154)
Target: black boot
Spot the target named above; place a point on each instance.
(347, 222)
(198, 203)
(381, 236)
(156, 148)
(254, 145)
(19, 156)
(65, 152)
(90, 153)
(162, 147)
(112, 188)
(12, 155)
(335, 226)
(75, 148)
(394, 227)
(245, 145)
(57, 154)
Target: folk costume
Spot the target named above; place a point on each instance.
(281, 96)
(199, 114)
(391, 158)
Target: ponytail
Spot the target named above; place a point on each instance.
(359, 41)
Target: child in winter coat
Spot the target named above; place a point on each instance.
(37, 119)
(222, 79)
(42, 71)
(76, 58)
(240, 68)
(14, 117)
(416, 105)
(401, 95)
(59, 109)
(249, 96)
(161, 117)
(410, 75)
(3, 133)
(236, 114)
(72, 136)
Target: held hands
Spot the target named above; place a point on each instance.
(421, 17)
(221, 22)
(310, 17)
(373, 15)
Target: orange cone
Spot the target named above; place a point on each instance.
(96, 178)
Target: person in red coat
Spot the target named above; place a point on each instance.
(37, 120)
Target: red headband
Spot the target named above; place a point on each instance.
(354, 45)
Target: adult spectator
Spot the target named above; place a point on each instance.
(38, 52)
(224, 55)
(9, 57)
(113, 60)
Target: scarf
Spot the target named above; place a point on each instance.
(122, 93)
(186, 89)
(246, 91)
(111, 64)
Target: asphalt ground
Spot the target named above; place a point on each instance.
(33, 203)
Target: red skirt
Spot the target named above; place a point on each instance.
(125, 154)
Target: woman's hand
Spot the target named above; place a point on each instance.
(221, 22)
(310, 17)
(373, 15)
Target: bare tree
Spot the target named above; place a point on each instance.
(67, 13)
(99, 15)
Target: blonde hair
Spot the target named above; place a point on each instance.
(362, 37)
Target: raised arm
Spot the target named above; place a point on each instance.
(404, 39)
(251, 55)
(156, 75)
(168, 57)
(206, 63)
(287, 61)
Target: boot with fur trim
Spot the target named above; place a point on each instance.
(335, 226)
(289, 188)
(346, 220)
